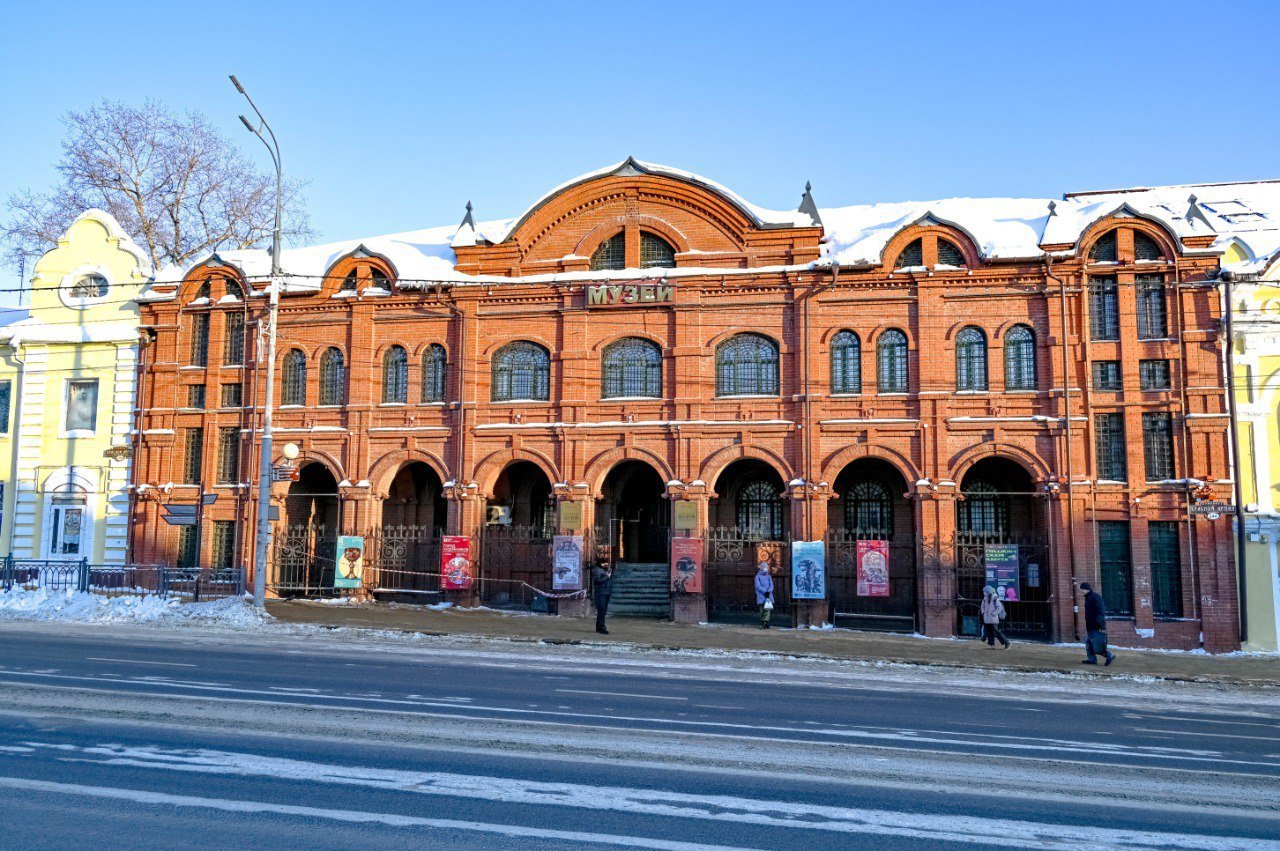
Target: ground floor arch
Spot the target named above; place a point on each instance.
(748, 523)
(306, 543)
(515, 538)
(633, 531)
(403, 550)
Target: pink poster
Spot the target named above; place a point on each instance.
(456, 568)
(686, 565)
(873, 568)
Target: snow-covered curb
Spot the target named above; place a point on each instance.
(82, 607)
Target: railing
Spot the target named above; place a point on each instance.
(114, 580)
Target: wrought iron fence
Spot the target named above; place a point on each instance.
(120, 580)
(512, 558)
(732, 556)
(403, 560)
(1031, 615)
(305, 559)
(897, 610)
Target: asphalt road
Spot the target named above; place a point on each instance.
(148, 738)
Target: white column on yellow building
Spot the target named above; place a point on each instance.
(116, 531)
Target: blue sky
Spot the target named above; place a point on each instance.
(398, 113)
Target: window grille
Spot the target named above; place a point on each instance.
(971, 359)
(435, 367)
(1020, 359)
(195, 396)
(759, 511)
(1106, 375)
(1166, 568)
(232, 395)
(656, 252)
(1110, 445)
(1157, 445)
(348, 283)
(846, 363)
(233, 288)
(612, 254)
(188, 543)
(868, 509)
(193, 456)
(224, 543)
(949, 254)
(5, 393)
(912, 255)
(1153, 323)
(1145, 248)
(204, 291)
(891, 362)
(82, 405)
(200, 339)
(380, 279)
(1154, 375)
(395, 375)
(90, 286)
(521, 370)
(333, 377)
(228, 456)
(984, 511)
(747, 365)
(1104, 250)
(233, 343)
(631, 367)
(1104, 309)
(294, 379)
(1116, 566)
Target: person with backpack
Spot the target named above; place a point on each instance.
(992, 613)
(1095, 624)
(764, 593)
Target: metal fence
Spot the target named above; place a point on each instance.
(115, 580)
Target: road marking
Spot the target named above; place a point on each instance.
(615, 694)
(1178, 734)
(1274, 725)
(142, 662)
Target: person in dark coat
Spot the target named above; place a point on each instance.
(1095, 624)
(602, 589)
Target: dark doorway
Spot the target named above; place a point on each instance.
(306, 546)
(748, 524)
(632, 519)
(406, 547)
(515, 541)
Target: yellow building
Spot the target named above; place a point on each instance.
(67, 379)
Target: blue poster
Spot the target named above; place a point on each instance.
(808, 570)
(349, 571)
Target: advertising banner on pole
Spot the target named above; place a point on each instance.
(873, 568)
(566, 568)
(349, 571)
(456, 568)
(686, 565)
(1002, 569)
(808, 570)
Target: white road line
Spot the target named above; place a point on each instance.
(616, 694)
(1177, 734)
(142, 662)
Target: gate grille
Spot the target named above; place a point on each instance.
(894, 612)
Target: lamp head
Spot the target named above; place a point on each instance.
(290, 451)
(236, 83)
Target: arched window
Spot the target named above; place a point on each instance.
(612, 254)
(868, 509)
(204, 290)
(435, 366)
(1020, 358)
(912, 255)
(971, 359)
(395, 375)
(949, 254)
(984, 511)
(233, 288)
(1145, 248)
(293, 389)
(348, 283)
(759, 511)
(891, 362)
(846, 363)
(521, 370)
(1105, 249)
(380, 280)
(333, 377)
(90, 286)
(631, 367)
(656, 252)
(747, 365)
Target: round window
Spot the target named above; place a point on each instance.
(86, 288)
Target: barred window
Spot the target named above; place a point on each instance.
(379, 279)
(1105, 250)
(1104, 309)
(333, 377)
(233, 395)
(1166, 568)
(631, 367)
(747, 365)
(1116, 566)
(233, 343)
(949, 254)
(224, 543)
(1110, 445)
(395, 375)
(1020, 358)
(1154, 375)
(6, 389)
(912, 255)
(868, 509)
(656, 252)
(195, 396)
(1145, 248)
(984, 511)
(612, 254)
(348, 284)
(891, 362)
(1157, 445)
(1153, 323)
(846, 363)
(228, 456)
(232, 288)
(1106, 375)
(759, 511)
(200, 339)
(294, 390)
(188, 546)
(521, 370)
(193, 455)
(90, 286)
(971, 359)
(435, 367)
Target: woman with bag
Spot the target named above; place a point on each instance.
(992, 614)
(764, 593)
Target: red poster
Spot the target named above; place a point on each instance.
(686, 565)
(873, 568)
(455, 563)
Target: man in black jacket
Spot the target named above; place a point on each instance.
(1095, 623)
(602, 588)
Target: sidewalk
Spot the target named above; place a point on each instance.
(1254, 671)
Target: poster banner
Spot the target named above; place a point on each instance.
(808, 570)
(873, 568)
(1002, 570)
(349, 571)
(566, 568)
(455, 563)
(686, 515)
(686, 565)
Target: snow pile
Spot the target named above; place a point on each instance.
(81, 607)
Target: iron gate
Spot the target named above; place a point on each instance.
(511, 558)
(894, 612)
(729, 575)
(1031, 616)
(304, 560)
(403, 560)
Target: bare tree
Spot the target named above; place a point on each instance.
(174, 183)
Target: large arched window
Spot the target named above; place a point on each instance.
(294, 384)
(333, 377)
(984, 511)
(1145, 248)
(758, 511)
(747, 365)
(868, 509)
(435, 367)
(656, 252)
(395, 375)
(971, 359)
(612, 254)
(521, 370)
(1020, 358)
(631, 367)
(891, 362)
(846, 363)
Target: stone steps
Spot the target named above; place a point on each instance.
(641, 590)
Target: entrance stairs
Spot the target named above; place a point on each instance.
(641, 590)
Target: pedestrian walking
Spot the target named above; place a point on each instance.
(1095, 624)
(992, 613)
(602, 589)
(764, 593)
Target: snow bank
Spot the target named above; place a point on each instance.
(81, 607)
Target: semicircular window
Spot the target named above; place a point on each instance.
(656, 252)
(1145, 248)
(612, 254)
(949, 254)
(912, 255)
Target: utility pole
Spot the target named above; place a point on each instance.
(1237, 485)
(263, 527)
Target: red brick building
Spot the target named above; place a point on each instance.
(642, 338)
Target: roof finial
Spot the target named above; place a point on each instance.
(1194, 211)
(808, 206)
(467, 219)
(1053, 209)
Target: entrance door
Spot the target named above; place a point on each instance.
(633, 519)
(67, 529)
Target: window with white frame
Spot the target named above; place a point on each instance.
(82, 405)
(5, 391)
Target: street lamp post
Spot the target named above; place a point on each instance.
(263, 527)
